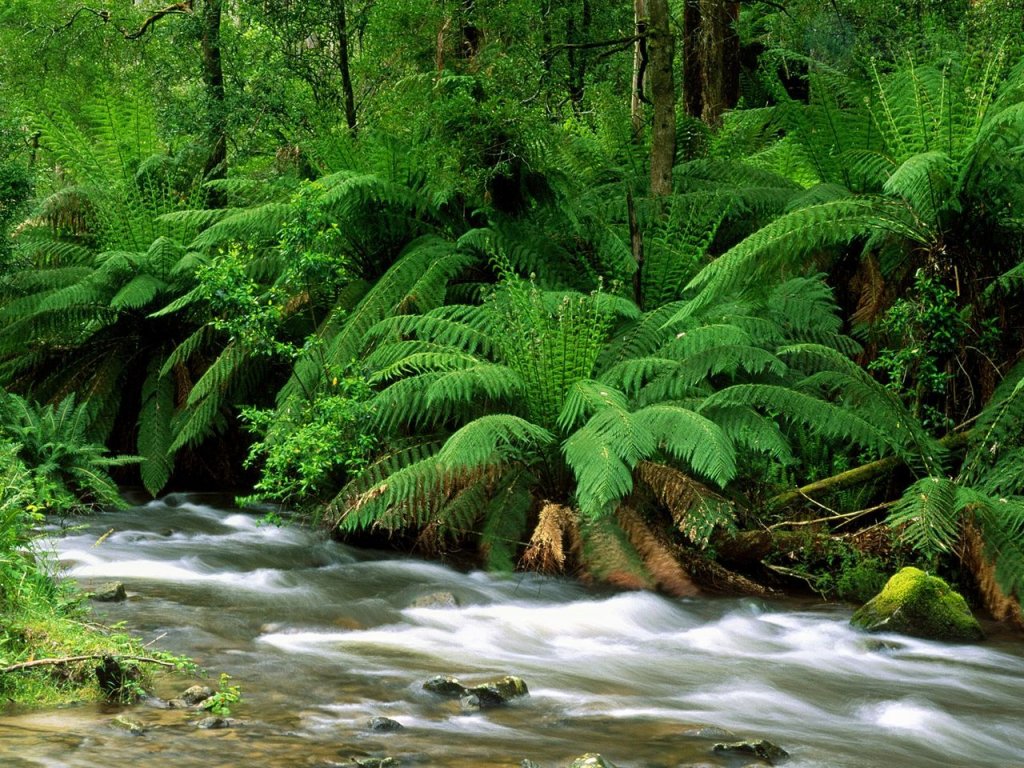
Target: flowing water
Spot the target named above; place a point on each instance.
(322, 637)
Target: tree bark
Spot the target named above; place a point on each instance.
(639, 68)
(341, 30)
(216, 167)
(661, 50)
(711, 58)
(577, 57)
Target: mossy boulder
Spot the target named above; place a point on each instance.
(914, 603)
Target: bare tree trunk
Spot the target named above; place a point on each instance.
(341, 30)
(692, 91)
(711, 59)
(639, 68)
(216, 166)
(577, 59)
(661, 49)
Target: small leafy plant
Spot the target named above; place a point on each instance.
(227, 696)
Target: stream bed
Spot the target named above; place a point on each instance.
(322, 637)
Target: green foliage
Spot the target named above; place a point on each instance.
(67, 472)
(304, 457)
(926, 331)
(225, 697)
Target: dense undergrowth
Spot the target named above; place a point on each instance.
(484, 301)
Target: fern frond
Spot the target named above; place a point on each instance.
(692, 438)
(658, 559)
(546, 549)
(820, 416)
(496, 438)
(696, 509)
(155, 435)
(505, 518)
(928, 515)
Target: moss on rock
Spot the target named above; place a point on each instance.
(914, 603)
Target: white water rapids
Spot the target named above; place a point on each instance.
(321, 637)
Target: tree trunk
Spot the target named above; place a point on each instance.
(711, 58)
(213, 76)
(661, 50)
(639, 68)
(577, 59)
(341, 30)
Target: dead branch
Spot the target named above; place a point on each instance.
(73, 659)
(184, 7)
(855, 476)
(176, 8)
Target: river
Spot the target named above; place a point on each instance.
(321, 637)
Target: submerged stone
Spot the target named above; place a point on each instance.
(761, 749)
(914, 603)
(436, 600)
(128, 725)
(208, 723)
(384, 724)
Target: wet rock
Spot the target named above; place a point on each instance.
(212, 722)
(436, 600)
(384, 724)
(529, 764)
(109, 593)
(197, 694)
(499, 692)
(128, 725)
(591, 760)
(491, 694)
(447, 686)
(914, 603)
(374, 762)
(761, 749)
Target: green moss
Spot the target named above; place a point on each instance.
(914, 603)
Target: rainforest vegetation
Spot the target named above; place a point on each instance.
(663, 294)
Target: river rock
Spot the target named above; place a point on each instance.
(128, 725)
(529, 764)
(591, 760)
(484, 696)
(447, 686)
(213, 722)
(109, 593)
(384, 724)
(194, 695)
(499, 692)
(761, 749)
(914, 603)
(436, 600)
(374, 762)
